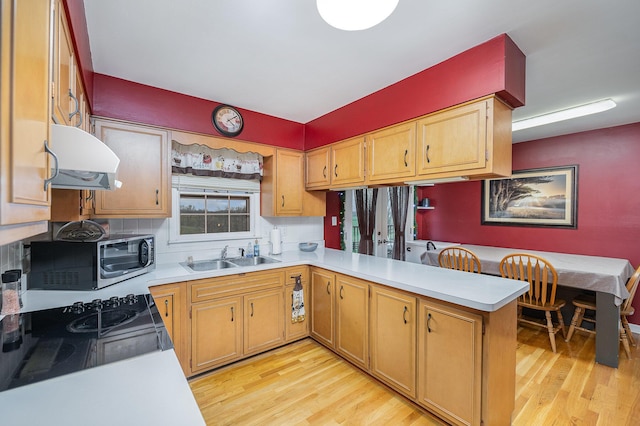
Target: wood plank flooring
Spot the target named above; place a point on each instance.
(306, 384)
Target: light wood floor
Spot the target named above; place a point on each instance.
(306, 384)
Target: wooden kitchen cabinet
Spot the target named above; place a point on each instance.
(171, 302)
(352, 319)
(282, 188)
(144, 171)
(64, 65)
(472, 139)
(323, 284)
(347, 163)
(317, 168)
(25, 113)
(216, 333)
(393, 338)
(296, 330)
(450, 360)
(263, 321)
(391, 154)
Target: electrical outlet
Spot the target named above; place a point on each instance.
(334, 221)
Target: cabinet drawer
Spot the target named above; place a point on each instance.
(292, 272)
(213, 288)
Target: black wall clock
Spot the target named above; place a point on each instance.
(227, 120)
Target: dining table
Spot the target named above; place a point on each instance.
(606, 276)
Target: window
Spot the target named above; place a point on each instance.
(209, 209)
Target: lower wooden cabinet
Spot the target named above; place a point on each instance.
(263, 321)
(216, 333)
(450, 362)
(352, 319)
(171, 301)
(393, 339)
(323, 284)
(299, 329)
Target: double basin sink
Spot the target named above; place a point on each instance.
(214, 264)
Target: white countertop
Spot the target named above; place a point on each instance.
(151, 389)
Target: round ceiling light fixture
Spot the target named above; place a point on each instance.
(354, 15)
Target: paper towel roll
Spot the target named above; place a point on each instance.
(276, 241)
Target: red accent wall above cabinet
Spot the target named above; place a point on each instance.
(78, 22)
(126, 100)
(496, 66)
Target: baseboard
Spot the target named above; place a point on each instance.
(635, 328)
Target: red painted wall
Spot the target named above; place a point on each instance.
(608, 206)
(496, 66)
(332, 233)
(126, 100)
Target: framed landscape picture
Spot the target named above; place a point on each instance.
(536, 197)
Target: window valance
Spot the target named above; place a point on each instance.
(201, 160)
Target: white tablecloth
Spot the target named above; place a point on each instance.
(604, 274)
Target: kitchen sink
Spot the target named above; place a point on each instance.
(208, 265)
(252, 261)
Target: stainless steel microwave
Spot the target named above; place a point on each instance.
(84, 265)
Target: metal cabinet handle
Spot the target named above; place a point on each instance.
(57, 169)
(252, 309)
(404, 314)
(324, 172)
(328, 284)
(71, 114)
(157, 196)
(429, 323)
(232, 314)
(428, 159)
(283, 201)
(335, 170)
(166, 307)
(406, 152)
(341, 292)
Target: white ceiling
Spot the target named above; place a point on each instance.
(278, 57)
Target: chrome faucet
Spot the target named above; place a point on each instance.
(432, 245)
(223, 255)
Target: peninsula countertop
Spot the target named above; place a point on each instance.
(153, 386)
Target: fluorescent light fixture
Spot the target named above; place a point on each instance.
(354, 15)
(431, 182)
(565, 114)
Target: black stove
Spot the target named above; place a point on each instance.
(44, 344)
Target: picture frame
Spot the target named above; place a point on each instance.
(545, 197)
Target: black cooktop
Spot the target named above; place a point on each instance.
(44, 344)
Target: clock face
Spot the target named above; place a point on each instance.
(227, 120)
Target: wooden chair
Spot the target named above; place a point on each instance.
(460, 259)
(587, 302)
(543, 280)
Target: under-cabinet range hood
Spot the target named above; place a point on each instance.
(81, 160)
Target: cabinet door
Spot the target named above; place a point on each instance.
(453, 140)
(263, 321)
(317, 163)
(391, 153)
(170, 299)
(143, 170)
(289, 185)
(25, 116)
(300, 329)
(352, 319)
(393, 339)
(322, 317)
(216, 333)
(450, 360)
(63, 68)
(347, 162)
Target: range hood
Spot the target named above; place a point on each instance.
(83, 161)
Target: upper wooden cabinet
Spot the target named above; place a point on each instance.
(25, 116)
(338, 165)
(391, 154)
(144, 171)
(64, 67)
(473, 139)
(282, 187)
